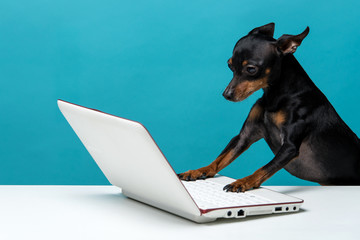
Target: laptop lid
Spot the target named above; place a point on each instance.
(130, 159)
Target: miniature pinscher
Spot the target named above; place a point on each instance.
(302, 128)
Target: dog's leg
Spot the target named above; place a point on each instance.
(250, 133)
(288, 151)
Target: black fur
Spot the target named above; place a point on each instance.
(302, 128)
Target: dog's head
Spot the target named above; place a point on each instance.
(256, 60)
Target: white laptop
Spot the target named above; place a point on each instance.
(130, 159)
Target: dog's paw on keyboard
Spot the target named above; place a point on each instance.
(201, 173)
(240, 185)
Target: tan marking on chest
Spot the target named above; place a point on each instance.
(279, 118)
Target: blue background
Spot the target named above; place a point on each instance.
(162, 63)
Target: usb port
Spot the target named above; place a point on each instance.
(278, 209)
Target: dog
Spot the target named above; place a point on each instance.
(301, 127)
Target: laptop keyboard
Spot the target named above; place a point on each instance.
(208, 194)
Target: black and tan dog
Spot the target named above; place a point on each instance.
(307, 136)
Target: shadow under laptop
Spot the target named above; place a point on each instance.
(134, 211)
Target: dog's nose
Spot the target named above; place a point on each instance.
(228, 94)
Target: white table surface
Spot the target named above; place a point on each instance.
(102, 212)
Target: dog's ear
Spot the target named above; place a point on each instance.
(289, 43)
(267, 30)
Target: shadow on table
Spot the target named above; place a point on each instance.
(136, 211)
(298, 189)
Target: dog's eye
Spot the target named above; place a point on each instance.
(251, 70)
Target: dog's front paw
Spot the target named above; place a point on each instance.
(201, 173)
(241, 185)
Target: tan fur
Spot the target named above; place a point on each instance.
(246, 88)
(252, 181)
(221, 162)
(224, 160)
(279, 118)
(255, 112)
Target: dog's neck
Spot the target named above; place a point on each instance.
(292, 80)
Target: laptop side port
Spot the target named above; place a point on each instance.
(241, 213)
(229, 213)
(278, 209)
